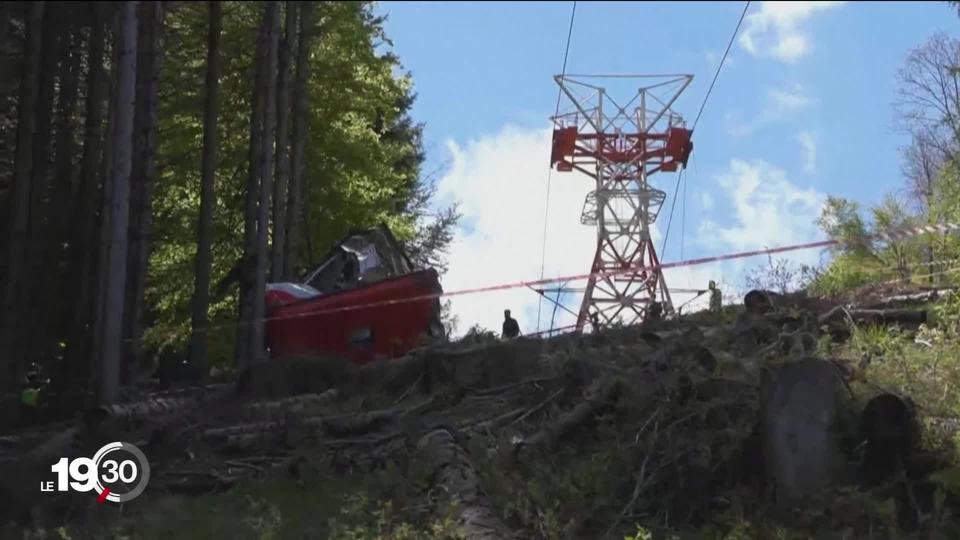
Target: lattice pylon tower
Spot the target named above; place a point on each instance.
(621, 147)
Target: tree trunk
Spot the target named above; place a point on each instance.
(55, 283)
(10, 332)
(245, 321)
(41, 138)
(277, 269)
(294, 217)
(4, 21)
(38, 311)
(120, 199)
(143, 178)
(66, 128)
(208, 168)
(106, 172)
(272, 20)
(84, 244)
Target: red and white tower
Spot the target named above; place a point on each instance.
(621, 147)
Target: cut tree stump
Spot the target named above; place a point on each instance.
(804, 411)
(890, 426)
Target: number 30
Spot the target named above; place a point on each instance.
(115, 471)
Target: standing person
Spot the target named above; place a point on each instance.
(715, 298)
(595, 321)
(511, 328)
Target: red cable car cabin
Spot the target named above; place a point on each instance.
(355, 304)
(564, 144)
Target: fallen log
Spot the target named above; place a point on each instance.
(354, 424)
(293, 402)
(602, 394)
(842, 316)
(151, 408)
(478, 368)
(238, 429)
(244, 441)
(154, 409)
(889, 316)
(333, 426)
(456, 477)
(924, 296)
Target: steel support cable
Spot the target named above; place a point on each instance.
(546, 210)
(683, 220)
(716, 75)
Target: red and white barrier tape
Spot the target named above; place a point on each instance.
(898, 234)
(547, 281)
(916, 231)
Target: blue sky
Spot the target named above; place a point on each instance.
(802, 109)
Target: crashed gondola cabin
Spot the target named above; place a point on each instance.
(364, 302)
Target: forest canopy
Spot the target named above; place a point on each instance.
(163, 105)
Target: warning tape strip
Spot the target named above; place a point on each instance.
(952, 270)
(897, 234)
(547, 281)
(900, 234)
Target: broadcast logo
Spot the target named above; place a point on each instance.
(118, 472)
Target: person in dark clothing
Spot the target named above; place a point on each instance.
(595, 320)
(655, 313)
(510, 327)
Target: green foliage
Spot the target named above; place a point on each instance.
(363, 156)
(877, 341)
(946, 316)
(847, 271)
(945, 207)
(354, 507)
(642, 534)
(863, 255)
(841, 220)
(361, 519)
(924, 365)
(897, 254)
(572, 493)
(781, 276)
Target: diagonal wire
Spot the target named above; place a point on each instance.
(700, 112)
(720, 66)
(546, 210)
(683, 220)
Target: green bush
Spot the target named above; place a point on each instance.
(845, 273)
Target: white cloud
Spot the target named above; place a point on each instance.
(779, 102)
(500, 181)
(788, 99)
(706, 200)
(808, 146)
(769, 210)
(777, 29)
